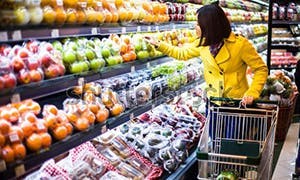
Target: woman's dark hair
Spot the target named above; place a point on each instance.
(213, 23)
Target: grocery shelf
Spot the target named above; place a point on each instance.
(36, 159)
(183, 168)
(77, 31)
(114, 122)
(52, 86)
(248, 22)
(260, 2)
(280, 23)
(285, 46)
(286, 67)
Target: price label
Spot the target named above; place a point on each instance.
(94, 31)
(81, 81)
(131, 116)
(99, 4)
(132, 68)
(138, 29)
(2, 165)
(40, 126)
(173, 26)
(103, 129)
(149, 28)
(20, 170)
(59, 2)
(153, 106)
(148, 64)
(17, 35)
(15, 98)
(3, 36)
(82, 4)
(55, 33)
(123, 30)
(156, 28)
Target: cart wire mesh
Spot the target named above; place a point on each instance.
(240, 140)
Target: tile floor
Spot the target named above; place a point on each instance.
(285, 166)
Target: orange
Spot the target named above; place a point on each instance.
(126, 57)
(49, 15)
(122, 14)
(123, 48)
(71, 16)
(69, 128)
(89, 97)
(82, 124)
(70, 3)
(35, 108)
(19, 150)
(23, 108)
(117, 109)
(34, 142)
(108, 16)
(61, 16)
(60, 132)
(156, 7)
(72, 117)
(46, 139)
(40, 127)
(16, 130)
(107, 101)
(7, 154)
(94, 108)
(2, 140)
(29, 116)
(132, 55)
(100, 17)
(147, 6)
(118, 3)
(4, 126)
(91, 15)
(51, 121)
(27, 128)
(102, 115)
(81, 16)
(105, 4)
(89, 116)
(51, 109)
(14, 115)
(5, 113)
(115, 17)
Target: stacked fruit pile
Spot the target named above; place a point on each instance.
(29, 63)
(282, 58)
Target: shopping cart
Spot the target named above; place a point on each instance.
(237, 142)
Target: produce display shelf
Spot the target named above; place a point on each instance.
(280, 23)
(183, 168)
(36, 159)
(286, 67)
(247, 23)
(258, 36)
(16, 35)
(52, 86)
(286, 46)
(260, 2)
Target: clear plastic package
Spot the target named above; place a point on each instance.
(139, 165)
(112, 175)
(109, 155)
(129, 171)
(121, 147)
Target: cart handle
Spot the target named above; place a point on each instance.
(239, 100)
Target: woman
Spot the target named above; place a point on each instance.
(225, 57)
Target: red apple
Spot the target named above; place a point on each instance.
(33, 63)
(35, 75)
(5, 66)
(15, 50)
(18, 63)
(32, 46)
(1, 83)
(9, 80)
(47, 46)
(52, 71)
(24, 77)
(61, 69)
(45, 59)
(23, 53)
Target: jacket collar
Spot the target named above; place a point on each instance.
(231, 38)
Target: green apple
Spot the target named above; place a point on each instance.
(80, 55)
(69, 56)
(76, 67)
(57, 45)
(72, 45)
(142, 55)
(112, 60)
(86, 65)
(138, 46)
(97, 64)
(90, 54)
(105, 53)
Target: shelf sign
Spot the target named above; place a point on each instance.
(149, 28)
(17, 35)
(81, 81)
(156, 28)
(15, 98)
(20, 170)
(173, 26)
(3, 36)
(138, 29)
(123, 30)
(148, 65)
(94, 31)
(131, 116)
(2, 165)
(55, 33)
(59, 2)
(132, 68)
(103, 129)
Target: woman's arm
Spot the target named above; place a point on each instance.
(259, 68)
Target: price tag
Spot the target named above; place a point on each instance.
(123, 30)
(153, 106)
(94, 31)
(20, 170)
(2, 165)
(15, 98)
(81, 81)
(103, 129)
(99, 4)
(173, 26)
(148, 64)
(132, 68)
(156, 28)
(3, 36)
(40, 126)
(149, 28)
(59, 2)
(55, 33)
(82, 4)
(17, 35)
(131, 116)
(138, 29)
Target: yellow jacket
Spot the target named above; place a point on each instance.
(225, 75)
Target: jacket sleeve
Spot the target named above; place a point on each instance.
(258, 66)
(185, 52)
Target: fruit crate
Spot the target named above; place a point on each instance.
(285, 116)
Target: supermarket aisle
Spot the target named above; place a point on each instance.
(286, 163)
